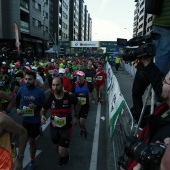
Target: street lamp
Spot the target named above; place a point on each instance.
(129, 31)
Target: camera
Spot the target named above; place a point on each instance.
(138, 47)
(148, 155)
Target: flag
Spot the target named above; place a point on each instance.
(17, 43)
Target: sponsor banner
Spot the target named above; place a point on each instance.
(17, 43)
(115, 98)
(85, 44)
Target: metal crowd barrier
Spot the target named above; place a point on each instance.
(124, 124)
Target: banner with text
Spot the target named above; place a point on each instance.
(85, 44)
(115, 98)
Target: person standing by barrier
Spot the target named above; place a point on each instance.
(161, 25)
(117, 62)
(59, 103)
(139, 86)
(159, 124)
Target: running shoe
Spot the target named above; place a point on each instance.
(41, 131)
(84, 134)
(100, 100)
(93, 101)
(30, 165)
(63, 161)
(81, 133)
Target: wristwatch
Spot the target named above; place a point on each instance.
(20, 157)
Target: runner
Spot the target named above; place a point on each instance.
(7, 128)
(32, 98)
(49, 70)
(59, 104)
(66, 81)
(81, 90)
(100, 80)
(89, 76)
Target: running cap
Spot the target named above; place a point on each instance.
(17, 63)
(27, 67)
(80, 73)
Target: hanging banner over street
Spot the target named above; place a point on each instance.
(17, 43)
(85, 44)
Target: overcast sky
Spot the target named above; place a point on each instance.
(110, 18)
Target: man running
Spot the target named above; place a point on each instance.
(32, 99)
(59, 103)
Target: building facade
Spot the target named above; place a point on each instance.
(42, 23)
(142, 24)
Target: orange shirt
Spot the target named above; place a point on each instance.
(6, 161)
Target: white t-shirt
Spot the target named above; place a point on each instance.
(39, 78)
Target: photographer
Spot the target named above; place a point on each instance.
(158, 126)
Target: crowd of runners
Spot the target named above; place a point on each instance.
(73, 81)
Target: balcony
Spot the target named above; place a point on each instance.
(24, 27)
(24, 6)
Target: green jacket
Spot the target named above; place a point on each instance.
(163, 19)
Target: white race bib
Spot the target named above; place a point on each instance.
(82, 100)
(27, 111)
(59, 121)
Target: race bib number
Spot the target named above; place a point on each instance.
(51, 72)
(2, 83)
(82, 100)
(89, 79)
(18, 78)
(99, 78)
(27, 111)
(59, 121)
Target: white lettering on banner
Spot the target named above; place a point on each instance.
(85, 44)
(115, 98)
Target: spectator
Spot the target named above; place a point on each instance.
(158, 126)
(161, 25)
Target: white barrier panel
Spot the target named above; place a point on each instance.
(115, 98)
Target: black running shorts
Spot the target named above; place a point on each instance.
(32, 129)
(61, 136)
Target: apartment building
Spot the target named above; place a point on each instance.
(142, 24)
(42, 23)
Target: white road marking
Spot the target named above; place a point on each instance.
(93, 162)
(47, 90)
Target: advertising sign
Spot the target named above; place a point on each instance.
(84, 43)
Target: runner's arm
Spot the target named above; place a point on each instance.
(9, 125)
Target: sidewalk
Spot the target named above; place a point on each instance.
(125, 83)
